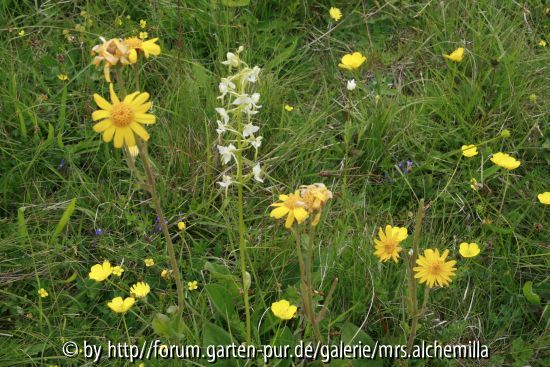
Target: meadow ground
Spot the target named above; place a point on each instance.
(68, 200)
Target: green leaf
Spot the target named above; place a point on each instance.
(235, 3)
(169, 327)
(22, 226)
(221, 299)
(531, 296)
(214, 336)
(64, 220)
(352, 334)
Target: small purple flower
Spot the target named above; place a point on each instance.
(98, 232)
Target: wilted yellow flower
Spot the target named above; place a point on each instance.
(283, 309)
(432, 268)
(181, 226)
(42, 293)
(387, 246)
(544, 198)
(120, 305)
(100, 272)
(293, 206)
(352, 61)
(469, 151)
(165, 273)
(136, 45)
(62, 77)
(117, 270)
(335, 13)
(469, 249)
(315, 197)
(192, 285)
(456, 56)
(142, 23)
(149, 262)
(111, 52)
(140, 290)
(288, 108)
(143, 35)
(122, 119)
(542, 43)
(505, 161)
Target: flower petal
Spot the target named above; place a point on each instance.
(102, 103)
(145, 118)
(138, 129)
(99, 114)
(102, 126)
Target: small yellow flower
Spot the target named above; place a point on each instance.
(283, 309)
(288, 107)
(149, 262)
(192, 285)
(469, 249)
(456, 56)
(136, 45)
(120, 305)
(143, 35)
(433, 270)
(335, 13)
(100, 272)
(505, 134)
(140, 290)
(542, 43)
(42, 293)
(117, 270)
(293, 206)
(533, 98)
(22, 32)
(505, 161)
(142, 23)
(387, 246)
(352, 61)
(469, 151)
(544, 198)
(181, 226)
(166, 274)
(62, 77)
(474, 184)
(122, 119)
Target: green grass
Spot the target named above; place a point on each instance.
(428, 108)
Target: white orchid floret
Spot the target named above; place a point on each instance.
(248, 102)
(256, 142)
(226, 86)
(226, 152)
(251, 75)
(351, 84)
(225, 182)
(222, 128)
(223, 114)
(232, 60)
(257, 170)
(250, 130)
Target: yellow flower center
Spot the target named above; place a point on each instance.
(436, 269)
(122, 115)
(389, 247)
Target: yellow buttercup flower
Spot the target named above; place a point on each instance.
(122, 119)
(149, 262)
(192, 285)
(544, 198)
(433, 270)
(142, 24)
(505, 161)
(120, 305)
(62, 77)
(42, 293)
(293, 206)
(165, 273)
(140, 290)
(110, 52)
(335, 13)
(469, 151)
(181, 226)
(100, 272)
(387, 246)
(352, 61)
(135, 45)
(283, 309)
(288, 108)
(117, 270)
(456, 56)
(469, 249)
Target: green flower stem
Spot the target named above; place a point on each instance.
(126, 329)
(169, 245)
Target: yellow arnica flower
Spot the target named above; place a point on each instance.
(291, 205)
(122, 119)
(469, 249)
(111, 52)
(120, 305)
(335, 13)
(62, 77)
(387, 246)
(544, 197)
(352, 61)
(192, 285)
(288, 108)
(456, 56)
(117, 270)
(505, 161)
(100, 272)
(432, 268)
(181, 226)
(140, 290)
(283, 309)
(149, 262)
(469, 151)
(134, 44)
(42, 293)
